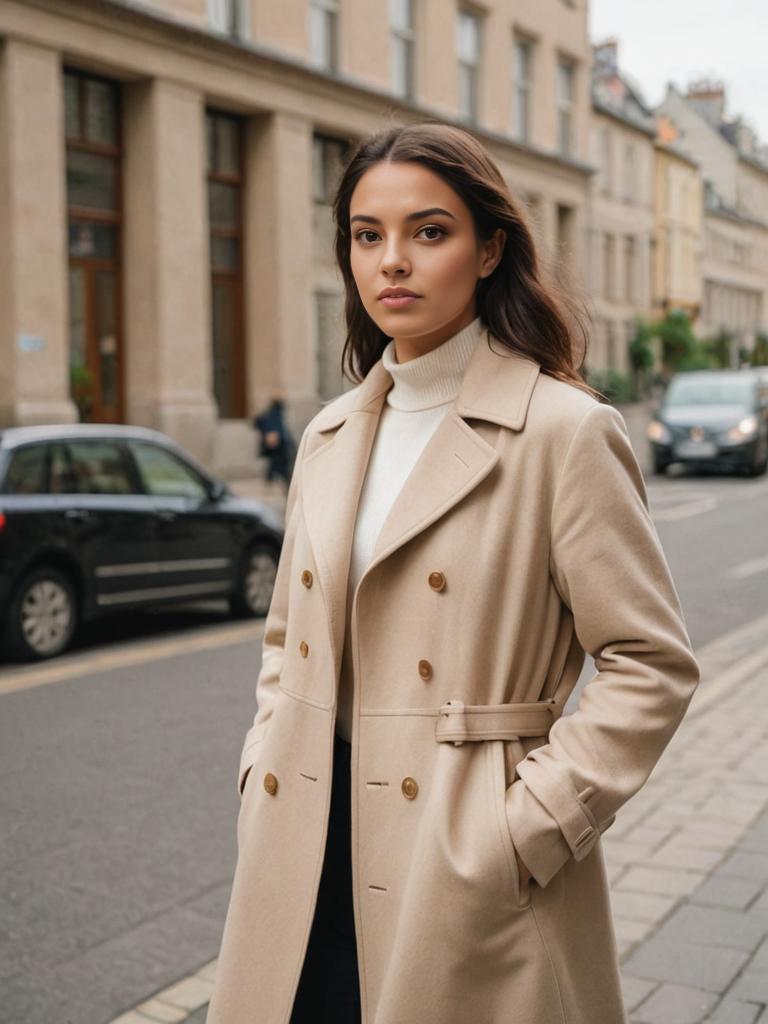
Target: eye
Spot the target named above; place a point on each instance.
(427, 227)
(433, 227)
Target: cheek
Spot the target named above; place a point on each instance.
(453, 267)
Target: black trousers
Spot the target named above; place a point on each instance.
(329, 991)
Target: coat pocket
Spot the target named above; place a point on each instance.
(497, 771)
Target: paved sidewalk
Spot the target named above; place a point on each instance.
(687, 860)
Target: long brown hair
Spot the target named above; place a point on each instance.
(539, 320)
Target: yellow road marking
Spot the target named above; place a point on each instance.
(89, 664)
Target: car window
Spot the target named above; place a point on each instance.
(165, 475)
(710, 391)
(26, 471)
(89, 467)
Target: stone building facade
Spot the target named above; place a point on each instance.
(621, 217)
(734, 252)
(165, 175)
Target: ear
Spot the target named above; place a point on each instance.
(494, 249)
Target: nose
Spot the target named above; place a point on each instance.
(394, 260)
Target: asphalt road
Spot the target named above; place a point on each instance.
(119, 762)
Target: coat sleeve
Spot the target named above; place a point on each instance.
(609, 568)
(272, 644)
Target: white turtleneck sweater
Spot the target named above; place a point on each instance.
(423, 391)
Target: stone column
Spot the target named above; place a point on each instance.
(278, 280)
(34, 348)
(167, 275)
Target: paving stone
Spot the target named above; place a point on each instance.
(710, 926)
(156, 1010)
(641, 906)
(734, 893)
(759, 961)
(702, 967)
(617, 851)
(752, 987)
(632, 931)
(675, 854)
(208, 971)
(188, 994)
(734, 1011)
(675, 1003)
(746, 865)
(635, 990)
(667, 881)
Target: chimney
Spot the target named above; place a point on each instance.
(606, 55)
(708, 97)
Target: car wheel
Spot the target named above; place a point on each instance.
(42, 616)
(256, 581)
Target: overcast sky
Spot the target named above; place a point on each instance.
(679, 40)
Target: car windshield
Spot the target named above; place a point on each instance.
(709, 391)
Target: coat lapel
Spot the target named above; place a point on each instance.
(497, 386)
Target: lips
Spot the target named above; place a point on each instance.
(397, 293)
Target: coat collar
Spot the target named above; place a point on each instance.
(497, 386)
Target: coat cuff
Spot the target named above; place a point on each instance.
(548, 821)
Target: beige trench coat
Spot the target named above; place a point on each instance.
(521, 539)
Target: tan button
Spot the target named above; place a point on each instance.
(410, 787)
(306, 578)
(270, 783)
(436, 580)
(425, 669)
(304, 648)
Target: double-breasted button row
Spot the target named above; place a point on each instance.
(436, 580)
(306, 579)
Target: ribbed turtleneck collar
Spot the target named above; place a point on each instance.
(435, 377)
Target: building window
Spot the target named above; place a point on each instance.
(323, 33)
(565, 88)
(629, 268)
(630, 173)
(566, 219)
(225, 193)
(606, 161)
(402, 42)
(329, 158)
(523, 86)
(330, 335)
(94, 214)
(229, 17)
(468, 50)
(610, 345)
(609, 257)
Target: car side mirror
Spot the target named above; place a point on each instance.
(218, 490)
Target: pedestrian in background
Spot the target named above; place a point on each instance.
(276, 442)
(419, 837)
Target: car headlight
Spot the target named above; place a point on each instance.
(657, 431)
(744, 428)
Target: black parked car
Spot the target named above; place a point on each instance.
(717, 418)
(97, 519)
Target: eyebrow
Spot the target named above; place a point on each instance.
(431, 212)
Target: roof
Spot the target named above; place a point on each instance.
(11, 437)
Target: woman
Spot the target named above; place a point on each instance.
(461, 526)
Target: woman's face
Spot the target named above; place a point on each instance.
(435, 255)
